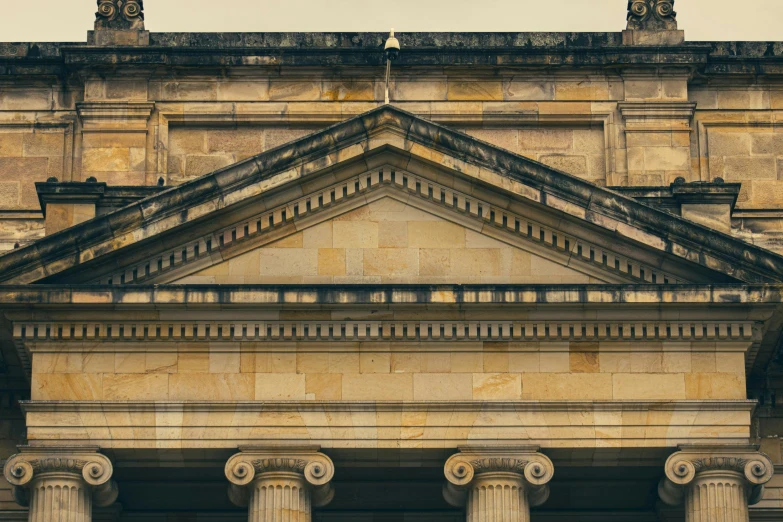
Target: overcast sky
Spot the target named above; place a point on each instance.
(68, 20)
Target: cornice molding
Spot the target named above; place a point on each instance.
(467, 210)
(734, 332)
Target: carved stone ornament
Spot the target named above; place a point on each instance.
(84, 467)
(476, 464)
(127, 15)
(302, 463)
(744, 466)
(652, 15)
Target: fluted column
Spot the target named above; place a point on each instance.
(716, 484)
(280, 484)
(61, 484)
(497, 483)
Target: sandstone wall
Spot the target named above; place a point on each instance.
(631, 129)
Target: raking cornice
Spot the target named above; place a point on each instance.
(728, 258)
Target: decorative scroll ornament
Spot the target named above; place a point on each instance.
(251, 464)
(474, 462)
(652, 15)
(120, 15)
(683, 467)
(21, 471)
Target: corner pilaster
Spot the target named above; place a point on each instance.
(497, 483)
(715, 483)
(61, 484)
(282, 483)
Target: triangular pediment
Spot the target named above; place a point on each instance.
(394, 239)
(390, 157)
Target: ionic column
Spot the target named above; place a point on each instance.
(61, 484)
(716, 484)
(497, 483)
(280, 484)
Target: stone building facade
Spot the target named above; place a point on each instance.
(543, 283)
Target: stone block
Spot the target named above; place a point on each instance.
(715, 386)
(522, 89)
(280, 386)
(582, 90)
(742, 168)
(250, 139)
(189, 91)
(657, 158)
(475, 262)
(534, 140)
(193, 362)
(318, 236)
(638, 386)
(375, 362)
(414, 90)
(288, 262)
(391, 262)
(442, 387)
(160, 362)
(136, 387)
(490, 90)
(734, 99)
(331, 261)
(729, 143)
(497, 386)
(583, 358)
(378, 387)
(198, 165)
(240, 90)
(323, 387)
(435, 234)
(564, 386)
(347, 90)
(294, 90)
(574, 165)
(642, 89)
(355, 234)
(11, 144)
(105, 160)
(66, 386)
(211, 387)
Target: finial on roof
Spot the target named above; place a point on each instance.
(120, 14)
(652, 15)
(119, 22)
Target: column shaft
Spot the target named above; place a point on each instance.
(279, 497)
(717, 497)
(498, 497)
(60, 497)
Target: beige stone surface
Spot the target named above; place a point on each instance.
(390, 242)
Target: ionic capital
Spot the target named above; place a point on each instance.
(474, 464)
(85, 464)
(304, 462)
(693, 463)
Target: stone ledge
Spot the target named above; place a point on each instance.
(337, 296)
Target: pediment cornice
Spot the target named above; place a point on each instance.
(224, 197)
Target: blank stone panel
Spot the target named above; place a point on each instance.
(577, 151)
(195, 151)
(753, 157)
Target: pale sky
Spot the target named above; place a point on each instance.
(69, 20)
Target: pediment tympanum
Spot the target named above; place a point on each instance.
(578, 231)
